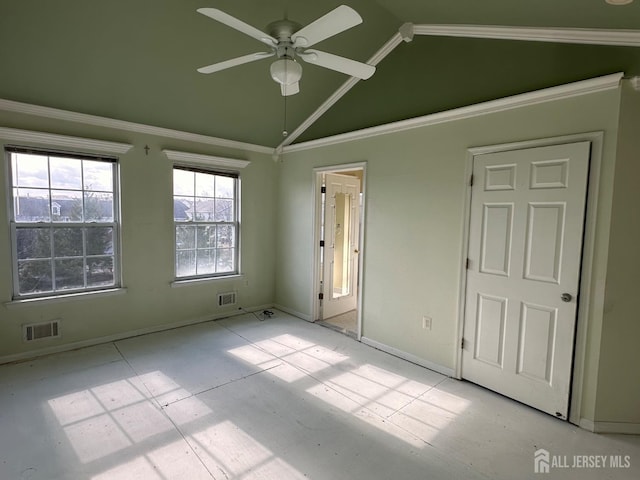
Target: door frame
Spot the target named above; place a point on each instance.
(317, 218)
(588, 282)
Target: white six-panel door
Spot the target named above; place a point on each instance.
(525, 248)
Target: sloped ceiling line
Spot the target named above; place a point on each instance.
(626, 38)
(574, 89)
(386, 49)
(629, 38)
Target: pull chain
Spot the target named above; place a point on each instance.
(284, 127)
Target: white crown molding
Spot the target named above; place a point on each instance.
(210, 160)
(66, 115)
(30, 137)
(386, 49)
(635, 83)
(569, 90)
(591, 36)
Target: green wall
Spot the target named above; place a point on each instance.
(147, 233)
(618, 397)
(415, 191)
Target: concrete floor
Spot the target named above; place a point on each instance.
(346, 323)
(277, 399)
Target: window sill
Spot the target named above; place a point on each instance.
(65, 297)
(195, 281)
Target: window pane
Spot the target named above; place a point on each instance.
(224, 187)
(31, 205)
(205, 185)
(98, 207)
(100, 271)
(185, 237)
(98, 175)
(224, 210)
(206, 200)
(69, 273)
(204, 209)
(185, 263)
(99, 240)
(66, 173)
(77, 195)
(33, 243)
(226, 236)
(206, 261)
(225, 261)
(182, 209)
(67, 242)
(69, 203)
(183, 182)
(206, 236)
(31, 170)
(34, 276)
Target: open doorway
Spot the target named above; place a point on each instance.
(339, 197)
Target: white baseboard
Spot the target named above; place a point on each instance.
(449, 372)
(294, 313)
(610, 427)
(121, 336)
(586, 424)
(617, 427)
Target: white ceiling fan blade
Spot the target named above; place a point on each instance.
(288, 90)
(239, 25)
(337, 20)
(216, 67)
(359, 70)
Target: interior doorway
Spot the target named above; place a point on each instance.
(339, 198)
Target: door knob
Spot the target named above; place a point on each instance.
(356, 251)
(566, 297)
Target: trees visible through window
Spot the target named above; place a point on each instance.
(63, 222)
(206, 223)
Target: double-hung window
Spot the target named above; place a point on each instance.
(205, 212)
(64, 222)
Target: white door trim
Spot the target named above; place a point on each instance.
(317, 211)
(588, 283)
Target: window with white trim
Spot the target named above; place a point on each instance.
(64, 222)
(205, 213)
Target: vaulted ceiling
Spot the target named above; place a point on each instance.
(137, 61)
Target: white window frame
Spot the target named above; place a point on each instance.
(212, 163)
(210, 170)
(51, 225)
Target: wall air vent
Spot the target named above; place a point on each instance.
(225, 299)
(38, 331)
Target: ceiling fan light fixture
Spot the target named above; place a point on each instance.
(286, 71)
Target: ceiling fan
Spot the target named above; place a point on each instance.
(288, 41)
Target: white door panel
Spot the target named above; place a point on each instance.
(525, 247)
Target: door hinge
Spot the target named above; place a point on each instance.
(322, 243)
(471, 181)
(323, 189)
(468, 263)
(321, 296)
(462, 343)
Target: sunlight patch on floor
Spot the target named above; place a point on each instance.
(112, 417)
(225, 448)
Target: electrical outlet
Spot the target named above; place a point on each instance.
(426, 323)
